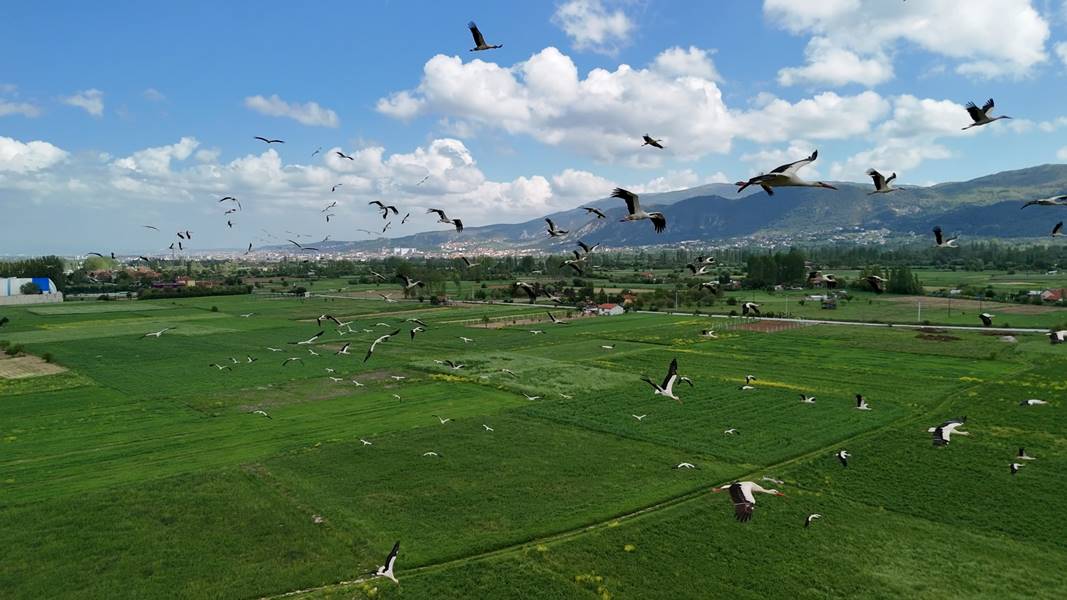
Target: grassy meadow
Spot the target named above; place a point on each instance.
(143, 472)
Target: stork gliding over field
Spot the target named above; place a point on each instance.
(943, 432)
(666, 389)
(742, 493)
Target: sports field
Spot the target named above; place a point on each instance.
(144, 472)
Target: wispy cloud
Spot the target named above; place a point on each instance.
(309, 113)
(153, 95)
(91, 100)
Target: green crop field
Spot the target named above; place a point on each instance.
(143, 471)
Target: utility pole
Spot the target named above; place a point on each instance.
(919, 317)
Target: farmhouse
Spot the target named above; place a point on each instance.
(1053, 295)
(608, 310)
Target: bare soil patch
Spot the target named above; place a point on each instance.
(936, 337)
(511, 321)
(770, 326)
(21, 367)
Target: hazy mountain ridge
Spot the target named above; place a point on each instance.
(988, 206)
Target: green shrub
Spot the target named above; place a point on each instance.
(47, 357)
(214, 309)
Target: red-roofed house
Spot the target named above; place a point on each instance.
(605, 310)
(1053, 295)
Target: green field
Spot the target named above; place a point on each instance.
(142, 472)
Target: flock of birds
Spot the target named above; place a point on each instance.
(742, 493)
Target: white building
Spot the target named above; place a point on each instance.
(11, 291)
(605, 310)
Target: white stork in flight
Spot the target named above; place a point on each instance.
(881, 184)
(861, 403)
(553, 231)
(842, 457)
(636, 213)
(666, 389)
(941, 242)
(479, 40)
(743, 495)
(1052, 201)
(943, 432)
(386, 570)
(650, 141)
(980, 116)
(785, 176)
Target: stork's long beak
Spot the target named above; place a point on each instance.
(827, 186)
(780, 494)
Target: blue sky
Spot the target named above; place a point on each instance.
(119, 114)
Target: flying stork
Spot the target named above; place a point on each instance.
(882, 185)
(943, 432)
(479, 40)
(980, 116)
(386, 570)
(666, 389)
(636, 213)
(553, 231)
(941, 242)
(742, 493)
(1051, 201)
(650, 141)
(785, 176)
(842, 457)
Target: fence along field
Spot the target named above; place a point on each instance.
(149, 477)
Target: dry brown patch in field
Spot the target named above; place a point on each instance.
(770, 326)
(509, 322)
(21, 367)
(934, 337)
(974, 305)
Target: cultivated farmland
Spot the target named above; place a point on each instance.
(142, 471)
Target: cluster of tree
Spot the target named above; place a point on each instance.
(765, 270)
(900, 280)
(975, 256)
(193, 291)
(44, 266)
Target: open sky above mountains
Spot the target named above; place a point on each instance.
(120, 115)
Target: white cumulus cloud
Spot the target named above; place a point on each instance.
(592, 27)
(853, 38)
(28, 157)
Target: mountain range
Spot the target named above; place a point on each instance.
(985, 207)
